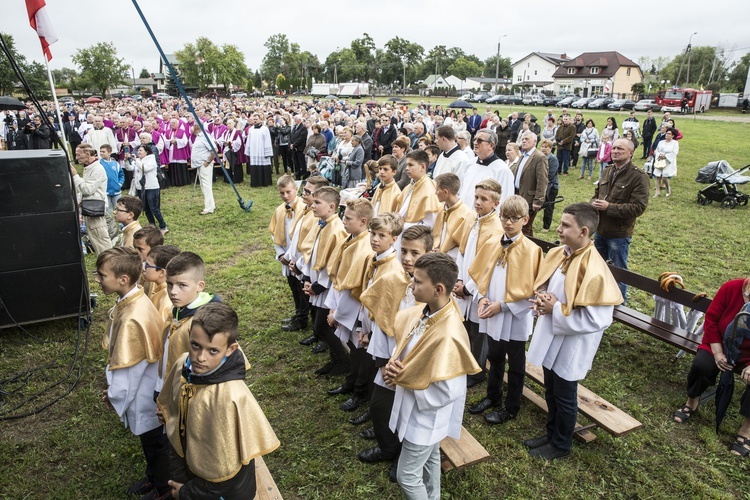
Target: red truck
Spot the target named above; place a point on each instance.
(679, 100)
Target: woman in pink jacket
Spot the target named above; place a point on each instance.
(604, 156)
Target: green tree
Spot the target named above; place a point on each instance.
(7, 76)
(100, 67)
(232, 68)
(409, 53)
(273, 62)
(364, 51)
(638, 89)
(36, 76)
(257, 80)
(438, 60)
(199, 63)
(144, 73)
(342, 64)
(463, 68)
(707, 64)
(65, 77)
(506, 70)
(738, 75)
(281, 82)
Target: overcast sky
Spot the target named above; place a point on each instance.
(633, 28)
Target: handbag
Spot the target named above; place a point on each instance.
(660, 164)
(92, 208)
(161, 176)
(591, 153)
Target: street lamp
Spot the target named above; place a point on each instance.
(689, 52)
(497, 62)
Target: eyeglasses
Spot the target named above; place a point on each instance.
(307, 192)
(512, 219)
(477, 140)
(123, 210)
(147, 266)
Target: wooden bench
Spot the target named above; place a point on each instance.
(460, 453)
(266, 488)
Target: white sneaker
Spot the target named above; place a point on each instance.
(164, 231)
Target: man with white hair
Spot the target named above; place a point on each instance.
(259, 150)
(99, 135)
(464, 141)
(530, 178)
(202, 159)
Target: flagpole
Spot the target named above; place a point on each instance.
(57, 105)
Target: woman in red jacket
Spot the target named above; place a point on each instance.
(710, 358)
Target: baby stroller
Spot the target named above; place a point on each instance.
(722, 182)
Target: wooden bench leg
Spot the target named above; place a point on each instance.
(266, 488)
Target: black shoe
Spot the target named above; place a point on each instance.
(342, 389)
(293, 327)
(536, 442)
(471, 382)
(368, 433)
(309, 340)
(320, 347)
(374, 455)
(141, 487)
(155, 495)
(548, 452)
(499, 417)
(326, 368)
(351, 404)
(365, 417)
(481, 406)
(340, 369)
(393, 471)
(286, 321)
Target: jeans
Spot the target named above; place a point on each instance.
(563, 156)
(112, 200)
(614, 250)
(588, 164)
(152, 206)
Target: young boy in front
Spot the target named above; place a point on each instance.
(127, 211)
(282, 224)
(155, 272)
(133, 352)
(386, 195)
(418, 202)
(115, 175)
(320, 245)
(502, 277)
(575, 295)
(144, 240)
(472, 235)
(214, 424)
(347, 268)
(428, 368)
(452, 216)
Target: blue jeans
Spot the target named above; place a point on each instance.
(614, 250)
(152, 206)
(563, 156)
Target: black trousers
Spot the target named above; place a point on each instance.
(516, 352)
(286, 157)
(155, 446)
(647, 141)
(298, 296)
(327, 334)
(381, 404)
(300, 166)
(478, 344)
(562, 406)
(260, 175)
(549, 207)
(361, 371)
(702, 375)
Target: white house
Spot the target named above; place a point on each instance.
(468, 84)
(536, 70)
(435, 82)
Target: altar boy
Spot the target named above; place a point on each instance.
(575, 295)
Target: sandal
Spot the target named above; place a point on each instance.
(684, 414)
(741, 446)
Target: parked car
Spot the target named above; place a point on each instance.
(600, 103)
(551, 100)
(497, 99)
(621, 104)
(137, 97)
(161, 95)
(567, 101)
(465, 97)
(481, 97)
(514, 99)
(533, 100)
(581, 103)
(646, 104)
(239, 94)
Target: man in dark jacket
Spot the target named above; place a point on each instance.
(361, 130)
(564, 137)
(71, 127)
(387, 136)
(38, 134)
(297, 147)
(649, 129)
(621, 196)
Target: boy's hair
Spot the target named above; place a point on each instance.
(440, 268)
(187, 263)
(284, 181)
(318, 181)
(514, 206)
(122, 261)
(361, 208)
(151, 234)
(328, 194)
(106, 147)
(390, 221)
(162, 254)
(422, 233)
(492, 186)
(446, 132)
(419, 156)
(546, 142)
(389, 160)
(131, 204)
(448, 181)
(584, 214)
(217, 317)
(432, 149)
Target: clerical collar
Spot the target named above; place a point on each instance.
(448, 153)
(487, 161)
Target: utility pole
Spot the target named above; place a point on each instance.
(497, 62)
(335, 74)
(403, 84)
(689, 52)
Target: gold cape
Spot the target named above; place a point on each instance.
(455, 216)
(225, 426)
(383, 297)
(307, 224)
(588, 280)
(349, 262)
(441, 353)
(277, 226)
(330, 237)
(135, 327)
(160, 298)
(488, 226)
(388, 197)
(423, 200)
(128, 232)
(178, 333)
(522, 267)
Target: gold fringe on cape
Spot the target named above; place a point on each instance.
(522, 267)
(330, 236)
(423, 200)
(488, 225)
(277, 226)
(388, 197)
(349, 262)
(383, 297)
(455, 215)
(135, 327)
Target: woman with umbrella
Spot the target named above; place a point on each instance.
(711, 359)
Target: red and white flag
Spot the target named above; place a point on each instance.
(39, 20)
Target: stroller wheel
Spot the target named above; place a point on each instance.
(729, 202)
(701, 199)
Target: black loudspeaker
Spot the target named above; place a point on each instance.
(42, 273)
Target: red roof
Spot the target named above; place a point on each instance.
(607, 62)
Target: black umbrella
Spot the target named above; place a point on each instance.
(521, 116)
(330, 96)
(7, 102)
(461, 104)
(740, 330)
(395, 99)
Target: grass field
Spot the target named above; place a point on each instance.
(77, 448)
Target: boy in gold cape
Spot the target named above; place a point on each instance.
(215, 427)
(451, 217)
(127, 211)
(575, 298)
(144, 240)
(418, 202)
(386, 196)
(429, 368)
(155, 273)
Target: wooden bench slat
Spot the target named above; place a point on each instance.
(663, 331)
(266, 488)
(462, 452)
(607, 416)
